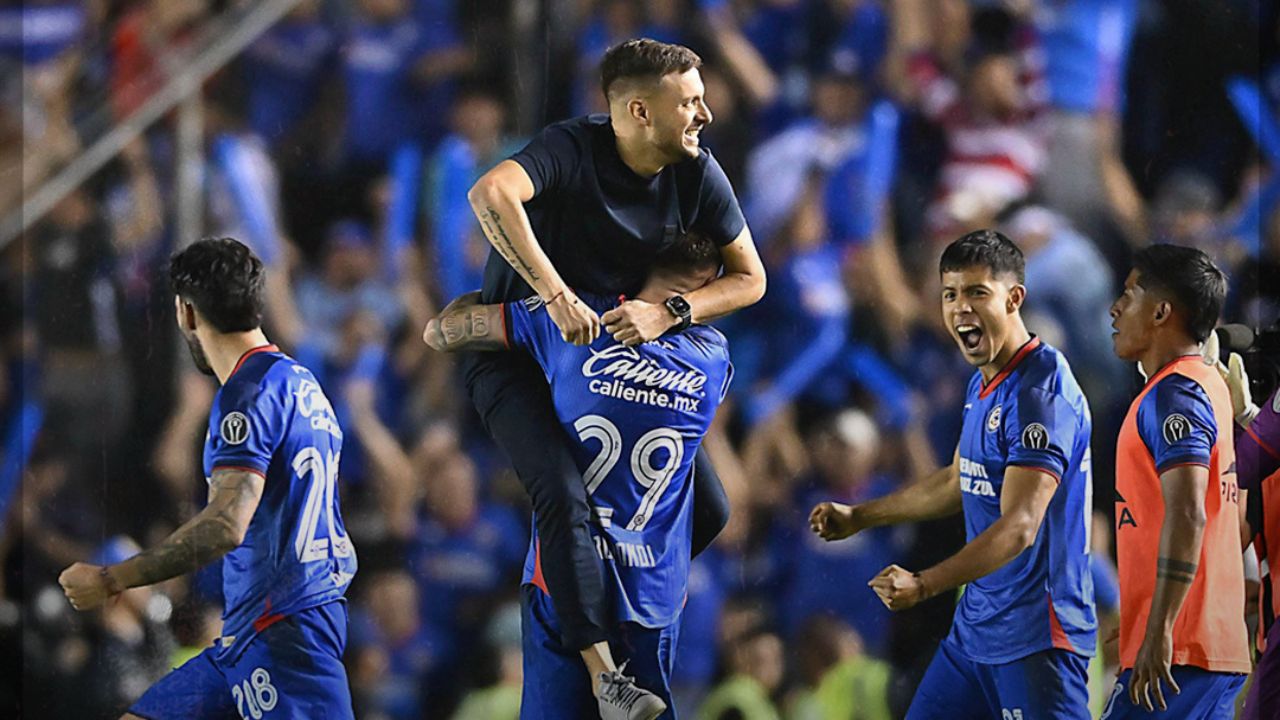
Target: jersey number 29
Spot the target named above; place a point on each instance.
(654, 480)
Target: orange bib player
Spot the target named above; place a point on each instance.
(1183, 641)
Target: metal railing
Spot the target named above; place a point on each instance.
(220, 44)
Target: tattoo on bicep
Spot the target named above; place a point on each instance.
(1176, 570)
(491, 222)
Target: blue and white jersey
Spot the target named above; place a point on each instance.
(1032, 414)
(271, 418)
(637, 416)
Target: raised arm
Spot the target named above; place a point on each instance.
(216, 530)
(498, 199)
(741, 285)
(935, 496)
(464, 324)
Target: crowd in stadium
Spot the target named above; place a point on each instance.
(861, 136)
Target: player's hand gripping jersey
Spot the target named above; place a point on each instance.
(1182, 416)
(271, 418)
(637, 416)
(1032, 414)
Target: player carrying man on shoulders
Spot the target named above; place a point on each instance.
(271, 460)
(1025, 625)
(1177, 501)
(638, 415)
(585, 207)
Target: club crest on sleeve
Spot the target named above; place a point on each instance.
(234, 428)
(1175, 427)
(1035, 436)
(993, 419)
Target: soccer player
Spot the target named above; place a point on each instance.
(586, 206)
(271, 460)
(1177, 503)
(638, 414)
(1025, 626)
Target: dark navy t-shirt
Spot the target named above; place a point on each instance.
(600, 223)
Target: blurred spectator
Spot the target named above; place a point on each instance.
(146, 47)
(755, 666)
(347, 284)
(838, 680)
(392, 652)
(476, 144)
(817, 577)
(778, 169)
(133, 644)
(499, 700)
(284, 70)
(991, 113)
(1086, 46)
(196, 625)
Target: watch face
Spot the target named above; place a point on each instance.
(678, 305)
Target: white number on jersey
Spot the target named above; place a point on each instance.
(320, 502)
(257, 693)
(655, 480)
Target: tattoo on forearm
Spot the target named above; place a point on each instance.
(472, 327)
(203, 539)
(1176, 570)
(491, 221)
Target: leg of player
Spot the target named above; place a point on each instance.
(710, 503)
(521, 418)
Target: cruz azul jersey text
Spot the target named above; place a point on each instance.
(1183, 416)
(271, 418)
(636, 417)
(1033, 415)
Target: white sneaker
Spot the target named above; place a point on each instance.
(621, 699)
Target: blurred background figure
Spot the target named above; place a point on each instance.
(339, 142)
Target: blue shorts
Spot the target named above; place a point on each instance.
(1205, 696)
(292, 669)
(556, 685)
(1050, 685)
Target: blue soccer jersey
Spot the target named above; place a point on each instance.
(1032, 414)
(271, 418)
(637, 415)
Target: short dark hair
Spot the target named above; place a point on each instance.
(986, 248)
(1189, 279)
(644, 58)
(692, 252)
(223, 279)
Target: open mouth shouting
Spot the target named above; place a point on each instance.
(970, 336)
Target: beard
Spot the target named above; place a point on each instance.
(197, 354)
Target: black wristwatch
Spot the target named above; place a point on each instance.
(680, 307)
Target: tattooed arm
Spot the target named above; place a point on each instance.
(216, 530)
(1183, 488)
(498, 199)
(466, 325)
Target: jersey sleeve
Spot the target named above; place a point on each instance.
(1041, 431)
(1177, 424)
(719, 215)
(529, 326)
(252, 426)
(550, 157)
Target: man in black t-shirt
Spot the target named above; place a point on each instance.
(587, 205)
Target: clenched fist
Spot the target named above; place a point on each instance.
(88, 586)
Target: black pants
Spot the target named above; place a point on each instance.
(511, 394)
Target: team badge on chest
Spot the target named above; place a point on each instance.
(993, 420)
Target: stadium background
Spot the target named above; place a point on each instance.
(340, 145)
